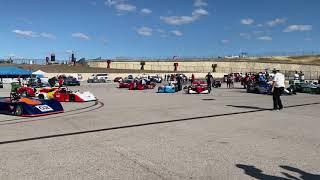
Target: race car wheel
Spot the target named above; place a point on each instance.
(41, 96)
(25, 94)
(18, 110)
(72, 98)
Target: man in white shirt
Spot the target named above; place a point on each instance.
(277, 89)
(296, 76)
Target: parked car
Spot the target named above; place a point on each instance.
(70, 81)
(99, 78)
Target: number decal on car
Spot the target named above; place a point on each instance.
(44, 108)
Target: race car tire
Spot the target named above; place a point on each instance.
(25, 94)
(41, 96)
(72, 98)
(18, 110)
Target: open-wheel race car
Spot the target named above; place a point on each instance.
(197, 87)
(259, 88)
(169, 88)
(265, 88)
(63, 94)
(29, 107)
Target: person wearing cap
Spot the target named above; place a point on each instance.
(277, 89)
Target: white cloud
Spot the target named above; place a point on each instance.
(144, 31)
(113, 2)
(25, 33)
(180, 20)
(80, 36)
(121, 5)
(48, 35)
(276, 21)
(125, 7)
(200, 12)
(265, 38)
(177, 33)
(247, 21)
(146, 11)
(177, 20)
(225, 41)
(200, 3)
(308, 39)
(300, 28)
(34, 34)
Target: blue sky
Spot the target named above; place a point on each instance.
(154, 28)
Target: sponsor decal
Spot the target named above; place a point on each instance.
(44, 108)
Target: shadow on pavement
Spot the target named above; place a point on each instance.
(258, 173)
(267, 109)
(303, 175)
(249, 107)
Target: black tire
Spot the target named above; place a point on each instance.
(72, 98)
(41, 96)
(18, 110)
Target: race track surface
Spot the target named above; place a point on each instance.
(229, 134)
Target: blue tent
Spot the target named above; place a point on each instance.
(13, 71)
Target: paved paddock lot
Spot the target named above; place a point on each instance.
(144, 135)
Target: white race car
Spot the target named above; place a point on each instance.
(65, 95)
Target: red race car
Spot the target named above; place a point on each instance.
(65, 95)
(197, 87)
(125, 84)
(140, 86)
(26, 91)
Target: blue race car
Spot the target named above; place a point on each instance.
(259, 88)
(167, 89)
(28, 107)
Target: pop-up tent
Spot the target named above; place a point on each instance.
(39, 74)
(13, 72)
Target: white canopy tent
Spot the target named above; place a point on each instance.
(39, 73)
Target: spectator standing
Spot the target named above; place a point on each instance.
(296, 76)
(209, 79)
(301, 75)
(192, 78)
(277, 89)
(228, 80)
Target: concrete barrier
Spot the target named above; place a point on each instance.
(312, 71)
(85, 76)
